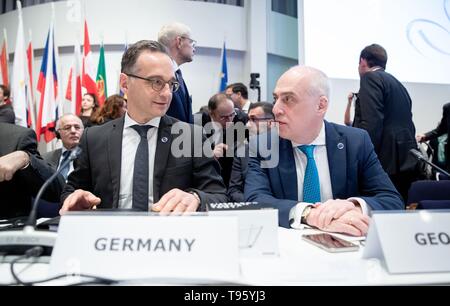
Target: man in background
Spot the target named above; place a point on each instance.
(181, 47)
(238, 93)
(6, 110)
(383, 109)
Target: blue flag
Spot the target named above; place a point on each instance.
(224, 72)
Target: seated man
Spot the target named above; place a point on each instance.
(134, 161)
(260, 119)
(22, 172)
(328, 175)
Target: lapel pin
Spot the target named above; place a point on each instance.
(340, 146)
(164, 139)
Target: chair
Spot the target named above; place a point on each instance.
(428, 190)
(434, 204)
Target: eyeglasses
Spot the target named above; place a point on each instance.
(192, 41)
(256, 119)
(230, 116)
(157, 83)
(68, 128)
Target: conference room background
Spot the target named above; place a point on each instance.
(326, 34)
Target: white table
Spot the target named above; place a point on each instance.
(299, 263)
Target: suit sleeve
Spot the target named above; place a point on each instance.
(371, 107)
(35, 175)
(236, 186)
(258, 189)
(208, 183)
(376, 186)
(441, 129)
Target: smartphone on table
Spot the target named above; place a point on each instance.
(331, 243)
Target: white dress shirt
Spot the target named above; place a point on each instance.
(246, 106)
(130, 143)
(326, 191)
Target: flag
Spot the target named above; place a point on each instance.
(102, 90)
(48, 88)
(73, 92)
(88, 71)
(30, 107)
(224, 72)
(4, 61)
(120, 92)
(20, 83)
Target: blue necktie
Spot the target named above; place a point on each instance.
(140, 172)
(311, 184)
(65, 171)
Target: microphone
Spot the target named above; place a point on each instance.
(416, 153)
(19, 241)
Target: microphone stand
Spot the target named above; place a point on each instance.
(420, 157)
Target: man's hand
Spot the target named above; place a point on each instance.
(420, 138)
(332, 210)
(11, 163)
(176, 201)
(79, 200)
(219, 150)
(352, 222)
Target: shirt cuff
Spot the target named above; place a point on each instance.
(365, 208)
(295, 215)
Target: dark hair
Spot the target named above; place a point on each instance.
(6, 91)
(110, 110)
(130, 56)
(266, 107)
(239, 87)
(96, 105)
(215, 100)
(375, 55)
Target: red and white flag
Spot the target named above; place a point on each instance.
(48, 89)
(31, 106)
(89, 75)
(20, 82)
(73, 92)
(4, 60)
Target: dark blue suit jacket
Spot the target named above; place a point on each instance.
(355, 171)
(181, 105)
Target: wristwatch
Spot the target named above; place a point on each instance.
(305, 215)
(195, 194)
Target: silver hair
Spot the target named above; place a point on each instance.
(170, 31)
(58, 122)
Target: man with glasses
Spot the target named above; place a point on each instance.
(69, 129)
(181, 47)
(260, 120)
(128, 163)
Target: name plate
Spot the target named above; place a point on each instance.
(410, 242)
(258, 231)
(142, 246)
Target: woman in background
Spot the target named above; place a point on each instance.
(115, 107)
(89, 107)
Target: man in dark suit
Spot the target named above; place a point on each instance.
(260, 120)
(69, 129)
(181, 47)
(383, 109)
(135, 161)
(328, 176)
(441, 129)
(22, 171)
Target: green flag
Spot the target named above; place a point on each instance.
(102, 90)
